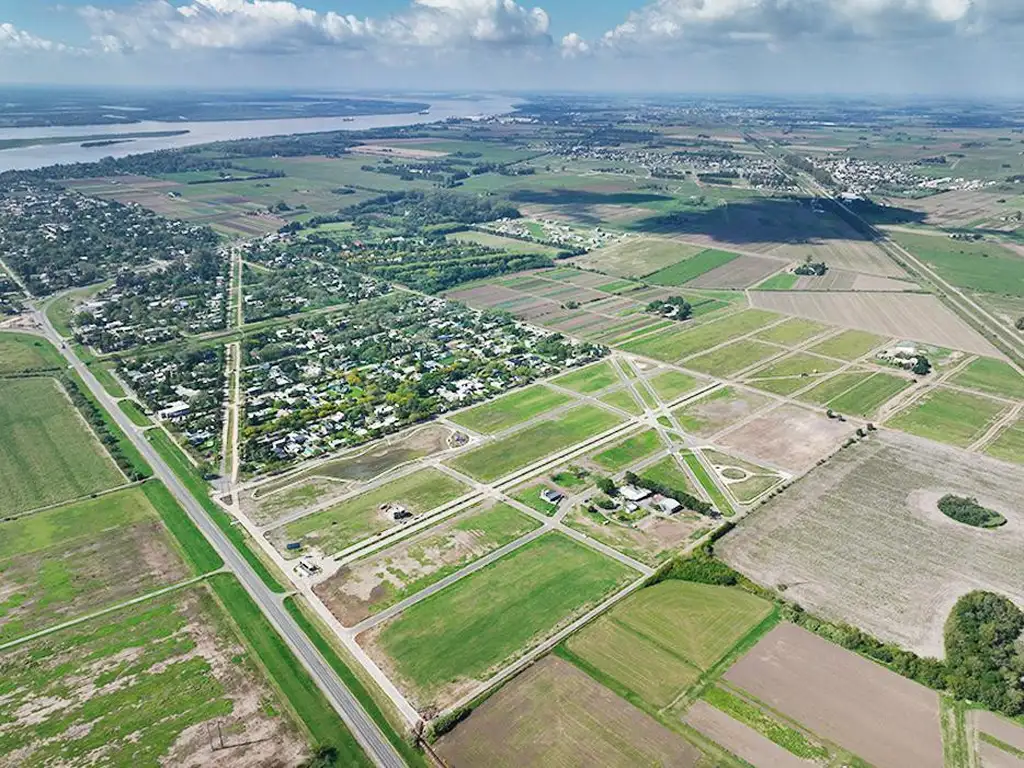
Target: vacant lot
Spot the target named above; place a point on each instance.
(834, 386)
(464, 632)
(20, 352)
(788, 437)
(739, 738)
(671, 385)
(628, 452)
(993, 377)
(637, 257)
(623, 400)
(357, 518)
(504, 456)
(591, 379)
(507, 244)
(510, 410)
(1009, 445)
(693, 267)
(849, 345)
(742, 272)
(48, 454)
(981, 266)
(719, 410)
(146, 686)
(866, 397)
(367, 586)
(861, 538)
(793, 331)
(915, 316)
(791, 373)
(555, 715)
(949, 416)
(886, 719)
(651, 541)
(671, 345)
(732, 358)
(68, 561)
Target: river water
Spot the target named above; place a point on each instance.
(29, 157)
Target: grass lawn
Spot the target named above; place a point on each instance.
(831, 388)
(628, 452)
(530, 496)
(671, 385)
(949, 417)
(791, 373)
(781, 282)
(464, 631)
(122, 690)
(1009, 446)
(691, 268)
(22, 352)
(993, 377)
(497, 459)
(671, 345)
(865, 398)
(794, 331)
(732, 358)
(981, 266)
(357, 518)
(623, 400)
(588, 380)
(107, 380)
(506, 244)
(134, 412)
(47, 452)
(668, 472)
(510, 410)
(708, 484)
(849, 345)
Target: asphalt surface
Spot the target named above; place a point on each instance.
(366, 732)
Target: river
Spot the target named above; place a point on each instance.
(29, 157)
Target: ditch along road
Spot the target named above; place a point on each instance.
(366, 732)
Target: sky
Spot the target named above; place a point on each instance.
(896, 47)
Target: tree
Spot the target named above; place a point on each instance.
(607, 486)
(922, 367)
(1020, 324)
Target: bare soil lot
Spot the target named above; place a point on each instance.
(886, 719)
(789, 437)
(719, 410)
(994, 725)
(556, 716)
(861, 540)
(914, 316)
(739, 273)
(843, 253)
(956, 208)
(740, 739)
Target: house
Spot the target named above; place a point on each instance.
(632, 493)
(174, 411)
(667, 506)
(551, 496)
(397, 511)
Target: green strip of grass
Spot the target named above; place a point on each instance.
(107, 380)
(1000, 744)
(691, 268)
(781, 282)
(786, 737)
(709, 484)
(413, 757)
(128, 449)
(197, 550)
(190, 478)
(288, 674)
(132, 411)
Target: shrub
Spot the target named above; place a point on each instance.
(969, 512)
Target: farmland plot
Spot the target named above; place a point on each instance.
(637, 257)
(719, 410)
(920, 317)
(949, 416)
(789, 437)
(861, 540)
(739, 273)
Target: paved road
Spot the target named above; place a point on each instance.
(355, 718)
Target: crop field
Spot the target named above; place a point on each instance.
(692, 268)
(48, 454)
(144, 687)
(866, 397)
(462, 633)
(732, 358)
(739, 738)
(555, 715)
(873, 509)
(68, 561)
(737, 274)
(510, 410)
(793, 331)
(352, 520)
(719, 410)
(1009, 734)
(792, 373)
(846, 253)
(958, 208)
(980, 266)
(507, 244)
(623, 455)
(501, 457)
(993, 377)
(20, 352)
(588, 380)
(887, 720)
(672, 344)
(916, 316)
(789, 437)
(1009, 445)
(849, 345)
(637, 257)
(367, 586)
(834, 386)
(948, 416)
(671, 385)
(623, 400)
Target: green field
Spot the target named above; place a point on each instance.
(708, 484)
(732, 358)
(21, 352)
(671, 345)
(981, 266)
(506, 244)
(671, 385)
(497, 459)
(1009, 446)
(781, 282)
(949, 417)
(588, 380)
(833, 387)
(628, 452)
(792, 373)
(785, 736)
(466, 630)
(510, 410)
(134, 412)
(106, 379)
(47, 453)
(357, 518)
(122, 690)
(794, 331)
(848, 345)
(668, 472)
(623, 400)
(69, 561)
(866, 397)
(638, 256)
(993, 377)
(691, 268)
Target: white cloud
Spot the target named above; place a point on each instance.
(573, 45)
(669, 23)
(283, 26)
(14, 39)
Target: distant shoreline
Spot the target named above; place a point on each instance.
(89, 140)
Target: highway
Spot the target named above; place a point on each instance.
(366, 732)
